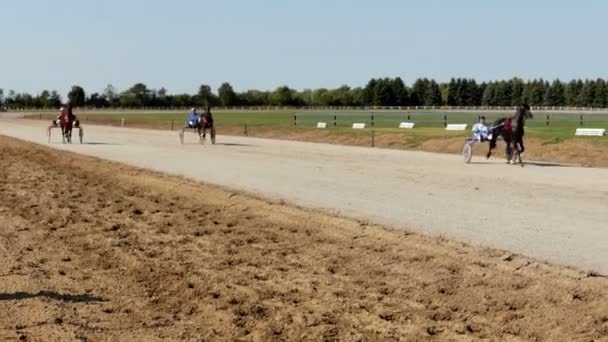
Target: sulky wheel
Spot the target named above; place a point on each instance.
(467, 152)
(181, 136)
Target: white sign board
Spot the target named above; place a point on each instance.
(597, 132)
(321, 124)
(456, 127)
(406, 125)
(358, 126)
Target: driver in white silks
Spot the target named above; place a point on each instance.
(481, 132)
(57, 119)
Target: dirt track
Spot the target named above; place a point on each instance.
(93, 250)
(553, 213)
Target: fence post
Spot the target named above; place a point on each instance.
(581, 120)
(372, 121)
(445, 120)
(373, 138)
(408, 117)
(295, 119)
(335, 119)
(245, 129)
(548, 118)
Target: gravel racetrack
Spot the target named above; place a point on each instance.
(551, 212)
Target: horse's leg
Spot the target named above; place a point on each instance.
(521, 145)
(520, 142)
(515, 152)
(492, 146)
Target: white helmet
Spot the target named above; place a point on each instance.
(193, 109)
(62, 109)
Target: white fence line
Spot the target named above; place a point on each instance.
(329, 108)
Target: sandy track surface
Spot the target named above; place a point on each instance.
(559, 214)
(92, 250)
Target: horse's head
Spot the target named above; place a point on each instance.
(524, 111)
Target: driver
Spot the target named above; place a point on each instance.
(481, 132)
(193, 119)
(57, 119)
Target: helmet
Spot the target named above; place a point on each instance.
(193, 109)
(62, 109)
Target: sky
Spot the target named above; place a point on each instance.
(262, 44)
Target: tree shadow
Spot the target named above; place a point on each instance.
(69, 298)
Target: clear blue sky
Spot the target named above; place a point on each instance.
(262, 44)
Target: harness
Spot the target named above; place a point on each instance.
(507, 124)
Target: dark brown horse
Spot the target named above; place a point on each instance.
(207, 124)
(512, 131)
(67, 119)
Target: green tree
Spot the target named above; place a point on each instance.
(453, 96)
(76, 96)
(400, 92)
(534, 92)
(98, 101)
(600, 95)
(227, 95)
(137, 96)
(503, 94)
(205, 97)
(517, 91)
(255, 98)
(383, 95)
(572, 91)
(587, 95)
(282, 96)
(419, 92)
(368, 92)
(489, 95)
(43, 99)
(357, 95)
(555, 94)
(433, 94)
(111, 95)
(54, 99)
(469, 93)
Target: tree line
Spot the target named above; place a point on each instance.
(377, 92)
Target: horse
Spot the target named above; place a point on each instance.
(67, 120)
(512, 131)
(207, 124)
